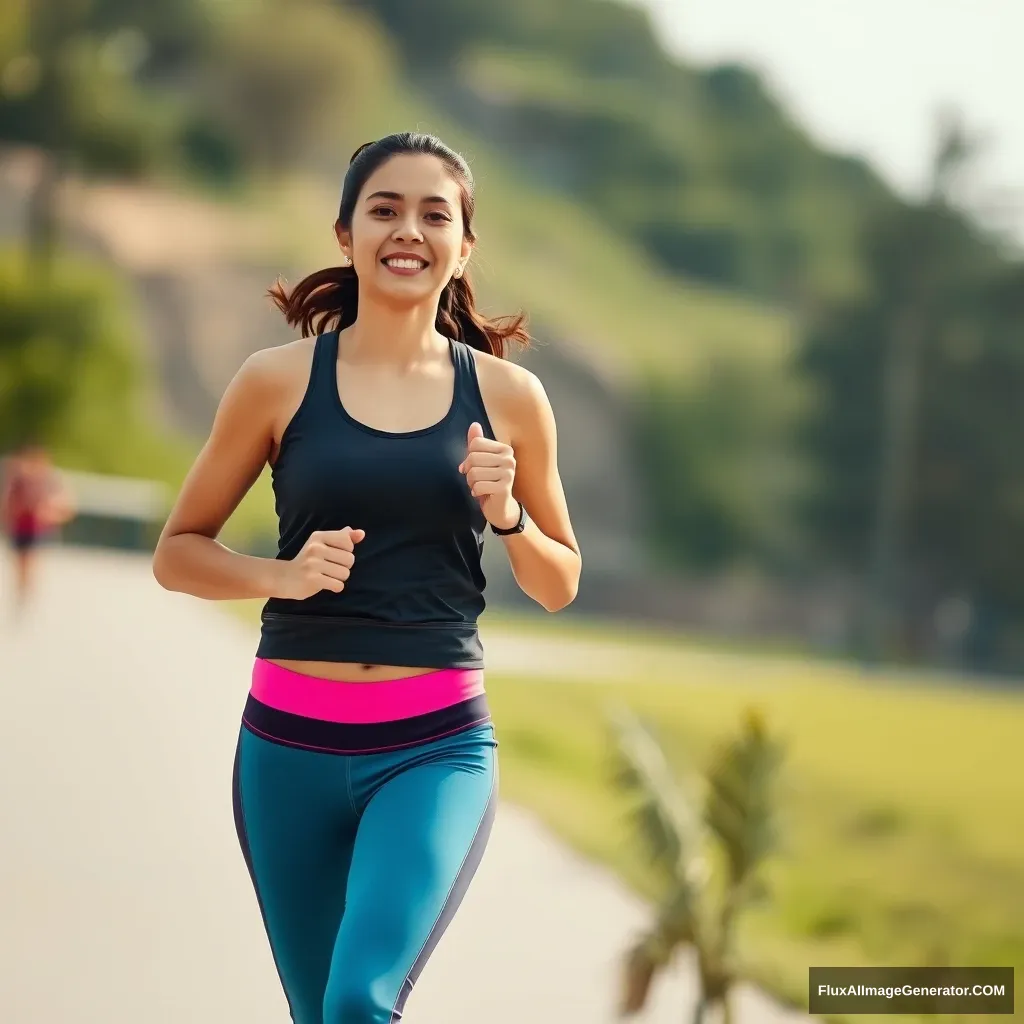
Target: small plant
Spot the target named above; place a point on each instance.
(699, 906)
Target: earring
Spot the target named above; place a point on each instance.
(458, 270)
(348, 259)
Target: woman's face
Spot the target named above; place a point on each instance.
(406, 239)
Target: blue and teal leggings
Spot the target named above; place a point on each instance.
(361, 830)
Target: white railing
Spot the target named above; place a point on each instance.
(117, 497)
(122, 513)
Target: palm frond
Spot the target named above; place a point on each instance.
(663, 812)
(740, 812)
(741, 806)
(679, 916)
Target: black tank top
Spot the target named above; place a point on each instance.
(416, 588)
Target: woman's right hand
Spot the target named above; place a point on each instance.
(324, 563)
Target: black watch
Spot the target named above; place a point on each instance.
(518, 528)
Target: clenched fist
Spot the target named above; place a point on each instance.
(490, 469)
(324, 563)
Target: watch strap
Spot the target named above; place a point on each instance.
(518, 528)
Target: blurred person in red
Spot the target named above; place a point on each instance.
(33, 502)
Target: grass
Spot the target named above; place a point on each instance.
(903, 810)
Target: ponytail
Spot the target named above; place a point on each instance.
(329, 300)
(458, 317)
(326, 300)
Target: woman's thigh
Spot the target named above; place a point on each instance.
(296, 825)
(421, 837)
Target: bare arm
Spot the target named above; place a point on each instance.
(59, 506)
(188, 557)
(545, 557)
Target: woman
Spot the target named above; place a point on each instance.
(365, 770)
(33, 502)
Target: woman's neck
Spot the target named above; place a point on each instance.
(383, 334)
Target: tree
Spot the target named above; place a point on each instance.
(739, 814)
(63, 346)
(279, 82)
(920, 248)
(76, 82)
(69, 91)
(70, 375)
(887, 391)
(718, 458)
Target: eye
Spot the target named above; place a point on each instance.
(439, 217)
(381, 210)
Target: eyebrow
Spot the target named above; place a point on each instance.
(398, 196)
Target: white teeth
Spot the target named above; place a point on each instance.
(400, 264)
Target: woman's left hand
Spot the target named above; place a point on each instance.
(490, 469)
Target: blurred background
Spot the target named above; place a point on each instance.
(773, 259)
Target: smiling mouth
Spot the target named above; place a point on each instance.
(405, 265)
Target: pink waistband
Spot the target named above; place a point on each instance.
(385, 701)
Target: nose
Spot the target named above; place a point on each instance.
(407, 228)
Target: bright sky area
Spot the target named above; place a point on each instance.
(868, 76)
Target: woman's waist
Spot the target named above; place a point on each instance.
(403, 695)
(349, 671)
(342, 716)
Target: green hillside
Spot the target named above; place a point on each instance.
(576, 277)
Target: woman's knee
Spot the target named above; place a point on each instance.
(353, 1001)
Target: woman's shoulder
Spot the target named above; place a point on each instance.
(277, 369)
(268, 381)
(512, 384)
(279, 362)
(506, 380)
(514, 396)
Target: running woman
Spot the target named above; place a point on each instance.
(365, 770)
(33, 502)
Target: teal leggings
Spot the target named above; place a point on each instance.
(359, 862)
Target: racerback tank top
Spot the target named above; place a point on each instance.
(416, 589)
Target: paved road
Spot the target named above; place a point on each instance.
(123, 895)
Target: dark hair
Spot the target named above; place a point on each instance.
(329, 298)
